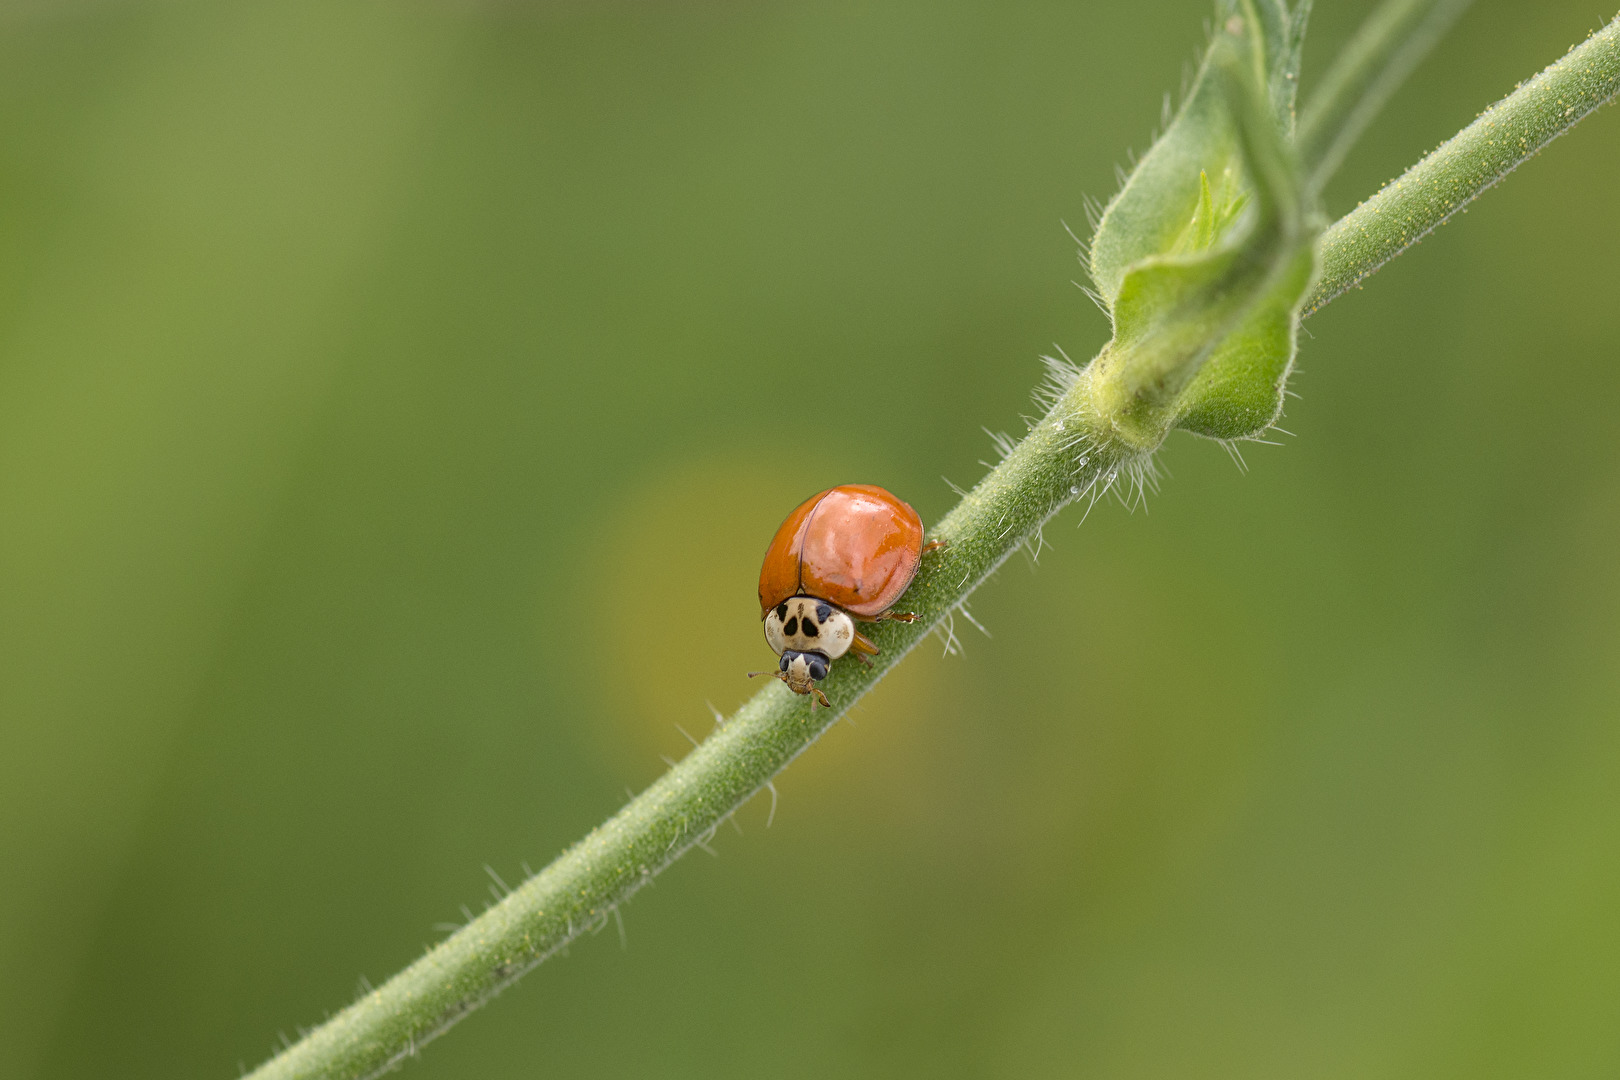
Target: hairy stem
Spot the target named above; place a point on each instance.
(1070, 454)
(1377, 60)
(581, 890)
(1505, 135)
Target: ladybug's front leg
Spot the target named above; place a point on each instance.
(864, 648)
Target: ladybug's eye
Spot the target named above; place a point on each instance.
(787, 658)
(818, 666)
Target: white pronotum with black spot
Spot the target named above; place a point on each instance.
(805, 624)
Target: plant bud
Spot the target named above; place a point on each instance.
(1205, 255)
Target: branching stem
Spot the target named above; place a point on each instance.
(1377, 60)
(1067, 456)
(1503, 138)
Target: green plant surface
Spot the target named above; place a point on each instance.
(1204, 339)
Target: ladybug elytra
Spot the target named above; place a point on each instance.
(845, 555)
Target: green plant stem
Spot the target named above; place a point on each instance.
(1443, 183)
(582, 889)
(1067, 456)
(1377, 60)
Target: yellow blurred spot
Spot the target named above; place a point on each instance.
(675, 616)
(674, 621)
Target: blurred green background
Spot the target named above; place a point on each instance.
(364, 368)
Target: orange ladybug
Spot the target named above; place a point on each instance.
(845, 554)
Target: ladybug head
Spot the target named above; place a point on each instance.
(801, 671)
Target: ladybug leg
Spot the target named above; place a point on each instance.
(935, 545)
(864, 647)
(825, 704)
(895, 616)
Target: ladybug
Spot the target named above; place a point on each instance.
(845, 555)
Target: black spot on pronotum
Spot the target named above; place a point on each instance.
(823, 612)
(781, 611)
(808, 628)
(791, 627)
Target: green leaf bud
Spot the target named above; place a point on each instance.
(1205, 255)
